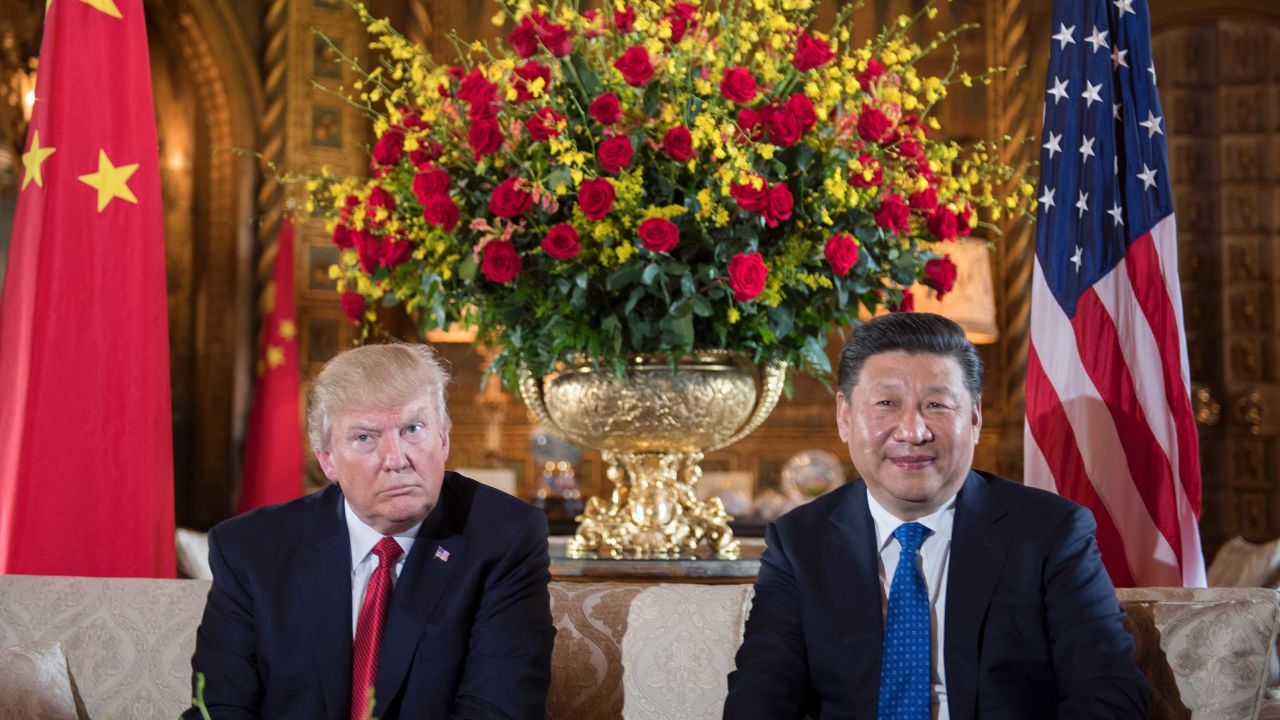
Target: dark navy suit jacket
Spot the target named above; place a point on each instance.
(1033, 627)
(469, 637)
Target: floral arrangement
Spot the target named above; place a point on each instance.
(659, 177)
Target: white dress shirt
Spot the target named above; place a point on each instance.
(364, 562)
(935, 559)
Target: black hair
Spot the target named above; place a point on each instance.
(912, 333)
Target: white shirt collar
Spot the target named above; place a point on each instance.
(939, 521)
(363, 537)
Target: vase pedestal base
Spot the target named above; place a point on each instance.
(653, 512)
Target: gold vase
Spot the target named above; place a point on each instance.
(652, 428)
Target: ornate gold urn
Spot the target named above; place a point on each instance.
(652, 428)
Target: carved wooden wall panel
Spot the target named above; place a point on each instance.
(1219, 80)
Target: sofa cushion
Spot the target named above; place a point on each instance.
(679, 650)
(35, 683)
(1206, 652)
(1240, 563)
(128, 642)
(586, 665)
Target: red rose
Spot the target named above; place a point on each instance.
(858, 179)
(747, 273)
(501, 263)
(368, 249)
(441, 211)
(615, 154)
(841, 253)
(908, 303)
(395, 252)
(561, 242)
(475, 88)
(681, 17)
(605, 109)
(342, 237)
(354, 306)
(873, 73)
(430, 182)
(509, 199)
(425, 155)
(965, 220)
(678, 144)
(484, 137)
(749, 124)
(658, 234)
(749, 198)
(924, 200)
(942, 223)
(782, 128)
(811, 52)
(873, 126)
(635, 66)
(525, 75)
(893, 214)
(389, 148)
(556, 38)
(625, 21)
(940, 274)
(543, 124)
(595, 197)
(523, 39)
(380, 198)
(779, 205)
(801, 108)
(737, 85)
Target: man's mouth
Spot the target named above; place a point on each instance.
(912, 462)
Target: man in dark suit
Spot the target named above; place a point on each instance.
(926, 589)
(417, 584)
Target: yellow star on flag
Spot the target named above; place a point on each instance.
(287, 329)
(275, 356)
(32, 159)
(110, 181)
(106, 7)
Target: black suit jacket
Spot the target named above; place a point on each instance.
(1033, 627)
(469, 637)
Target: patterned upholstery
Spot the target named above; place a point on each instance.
(623, 650)
(1206, 652)
(35, 684)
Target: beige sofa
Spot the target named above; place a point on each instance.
(636, 651)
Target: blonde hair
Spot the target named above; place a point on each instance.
(376, 377)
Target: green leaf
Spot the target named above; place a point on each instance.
(651, 272)
(815, 355)
(467, 269)
(782, 318)
(701, 305)
(673, 267)
(682, 308)
(636, 294)
(624, 277)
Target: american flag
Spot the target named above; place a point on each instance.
(1109, 419)
(441, 554)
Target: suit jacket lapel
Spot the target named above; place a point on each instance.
(324, 573)
(422, 582)
(851, 559)
(979, 544)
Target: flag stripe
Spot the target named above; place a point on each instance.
(1061, 457)
(1103, 360)
(1143, 265)
(1090, 427)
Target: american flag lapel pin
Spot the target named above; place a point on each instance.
(441, 554)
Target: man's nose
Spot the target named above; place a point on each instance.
(912, 427)
(393, 455)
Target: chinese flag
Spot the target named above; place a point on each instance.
(273, 449)
(86, 458)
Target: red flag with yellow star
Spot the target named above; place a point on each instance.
(273, 447)
(86, 458)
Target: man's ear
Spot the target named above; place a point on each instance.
(976, 419)
(326, 464)
(842, 417)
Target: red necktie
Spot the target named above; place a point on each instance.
(377, 594)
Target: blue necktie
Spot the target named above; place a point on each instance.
(906, 674)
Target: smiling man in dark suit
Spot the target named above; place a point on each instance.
(402, 581)
(926, 589)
